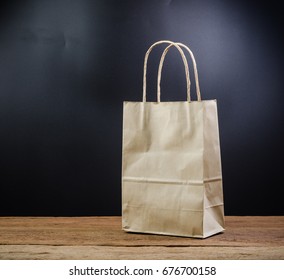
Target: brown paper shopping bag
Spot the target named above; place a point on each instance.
(171, 165)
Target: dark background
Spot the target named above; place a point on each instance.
(66, 66)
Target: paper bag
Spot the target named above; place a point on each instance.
(171, 165)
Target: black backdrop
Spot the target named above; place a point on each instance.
(66, 66)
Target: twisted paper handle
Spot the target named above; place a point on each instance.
(185, 67)
(194, 67)
(177, 45)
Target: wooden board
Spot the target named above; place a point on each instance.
(102, 238)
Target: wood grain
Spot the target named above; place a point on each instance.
(102, 238)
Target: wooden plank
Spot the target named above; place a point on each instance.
(102, 238)
(43, 252)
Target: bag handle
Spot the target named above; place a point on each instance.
(185, 67)
(194, 67)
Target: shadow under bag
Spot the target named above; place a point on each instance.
(171, 164)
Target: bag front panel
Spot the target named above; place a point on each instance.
(164, 209)
(163, 141)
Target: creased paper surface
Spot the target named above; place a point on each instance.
(171, 169)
